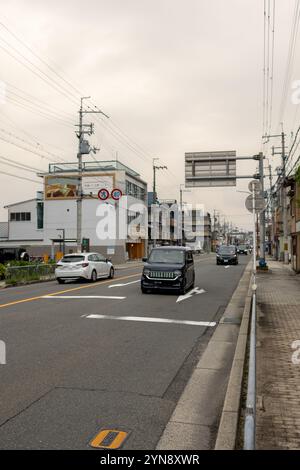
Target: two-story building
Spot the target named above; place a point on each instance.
(112, 226)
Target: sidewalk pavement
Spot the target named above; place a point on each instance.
(278, 359)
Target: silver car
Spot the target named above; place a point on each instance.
(90, 266)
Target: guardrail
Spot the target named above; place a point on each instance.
(250, 415)
(27, 273)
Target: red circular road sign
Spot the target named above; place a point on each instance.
(103, 194)
(116, 194)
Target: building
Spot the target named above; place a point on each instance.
(48, 223)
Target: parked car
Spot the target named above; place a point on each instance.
(168, 268)
(90, 266)
(227, 254)
(243, 249)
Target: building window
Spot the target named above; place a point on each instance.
(40, 215)
(20, 216)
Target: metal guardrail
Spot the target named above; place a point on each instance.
(31, 272)
(250, 416)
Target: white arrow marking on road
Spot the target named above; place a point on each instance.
(196, 290)
(226, 267)
(82, 297)
(121, 285)
(153, 320)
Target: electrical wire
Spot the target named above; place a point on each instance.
(20, 177)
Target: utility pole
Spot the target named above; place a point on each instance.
(181, 211)
(272, 212)
(262, 216)
(83, 148)
(284, 208)
(156, 167)
(154, 212)
(283, 193)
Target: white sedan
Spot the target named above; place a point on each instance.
(91, 266)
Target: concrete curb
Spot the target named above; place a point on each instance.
(228, 428)
(194, 421)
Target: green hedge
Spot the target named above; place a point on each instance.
(2, 271)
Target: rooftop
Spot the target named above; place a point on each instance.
(72, 167)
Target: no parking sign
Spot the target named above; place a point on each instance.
(116, 194)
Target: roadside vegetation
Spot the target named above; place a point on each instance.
(23, 272)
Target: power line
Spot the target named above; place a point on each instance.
(20, 177)
(29, 150)
(25, 167)
(34, 71)
(39, 112)
(290, 58)
(27, 142)
(40, 58)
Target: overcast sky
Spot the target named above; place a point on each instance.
(175, 75)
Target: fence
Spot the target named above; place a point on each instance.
(32, 272)
(250, 417)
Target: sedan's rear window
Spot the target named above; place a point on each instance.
(227, 250)
(72, 259)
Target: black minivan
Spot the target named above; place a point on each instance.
(168, 268)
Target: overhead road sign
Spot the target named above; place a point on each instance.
(204, 169)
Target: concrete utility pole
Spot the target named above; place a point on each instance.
(284, 208)
(181, 211)
(154, 214)
(283, 194)
(156, 167)
(262, 216)
(83, 148)
(271, 216)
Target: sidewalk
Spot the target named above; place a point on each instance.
(278, 378)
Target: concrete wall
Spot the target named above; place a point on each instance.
(24, 230)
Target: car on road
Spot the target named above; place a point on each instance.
(169, 268)
(90, 266)
(243, 250)
(227, 254)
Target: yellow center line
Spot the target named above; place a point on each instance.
(101, 283)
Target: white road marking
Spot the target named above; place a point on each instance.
(126, 284)
(82, 297)
(196, 290)
(226, 267)
(153, 320)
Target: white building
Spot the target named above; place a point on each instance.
(38, 224)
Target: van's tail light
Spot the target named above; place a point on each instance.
(85, 265)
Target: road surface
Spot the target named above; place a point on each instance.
(83, 357)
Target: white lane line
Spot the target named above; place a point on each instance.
(125, 284)
(190, 294)
(153, 320)
(82, 297)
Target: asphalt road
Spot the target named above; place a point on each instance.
(73, 367)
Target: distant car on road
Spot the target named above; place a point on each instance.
(243, 249)
(227, 254)
(168, 268)
(90, 266)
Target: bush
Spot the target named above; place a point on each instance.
(2, 271)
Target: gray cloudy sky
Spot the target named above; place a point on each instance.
(175, 75)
